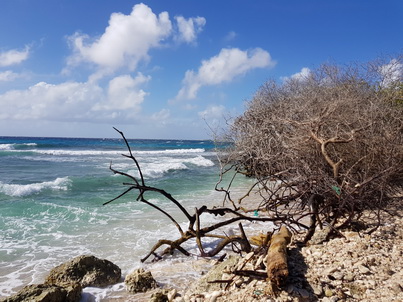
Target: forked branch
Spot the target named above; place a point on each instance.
(194, 230)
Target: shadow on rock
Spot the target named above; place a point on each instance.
(297, 283)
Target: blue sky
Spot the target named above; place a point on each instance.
(169, 69)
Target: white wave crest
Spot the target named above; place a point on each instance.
(12, 146)
(117, 152)
(163, 165)
(200, 161)
(6, 146)
(16, 190)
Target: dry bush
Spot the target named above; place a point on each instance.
(330, 142)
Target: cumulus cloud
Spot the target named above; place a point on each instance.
(124, 93)
(13, 57)
(125, 42)
(303, 75)
(8, 75)
(48, 101)
(189, 28)
(391, 73)
(224, 67)
(75, 101)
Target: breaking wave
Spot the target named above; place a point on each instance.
(16, 190)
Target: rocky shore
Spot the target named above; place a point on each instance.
(354, 266)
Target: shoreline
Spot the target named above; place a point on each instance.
(307, 274)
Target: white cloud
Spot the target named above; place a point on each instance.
(13, 57)
(303, 75)
(125, 42)
(224, 67)
(230, 36)
(391, 73)
(124, 93)
(161, 115)
(213, 112)
(46, 101)
(75, 101)
(189, 28)
(8, 75)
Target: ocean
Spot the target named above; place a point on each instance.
(52, 191)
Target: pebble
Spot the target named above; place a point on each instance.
(363, 269)
(317, 290)
(303, 293)
(349, 277)
(338, 275)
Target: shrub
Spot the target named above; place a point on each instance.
(331, 140)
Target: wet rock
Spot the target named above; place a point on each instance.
(47, 293)
(160, 296)
(86, 270)
(140, 281)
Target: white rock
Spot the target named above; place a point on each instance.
(214, 295)
(171, 294)
(363, 269)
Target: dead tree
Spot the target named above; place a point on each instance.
(194, 231)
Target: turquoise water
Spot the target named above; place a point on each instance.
(52, 191)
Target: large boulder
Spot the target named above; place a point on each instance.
(86, 270)
(47, 293)
(140, 281)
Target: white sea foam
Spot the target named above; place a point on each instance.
(116, 152)
(18, 190)
(200, 161)
(6, 146)
(158, 167)
(12, 146)
(123, 241)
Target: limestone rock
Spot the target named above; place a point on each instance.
(86, 270)
(215, 273)
(140, 281)
(320, 236)
(47, 293)
(160, 296)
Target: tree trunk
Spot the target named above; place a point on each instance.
(276, 261)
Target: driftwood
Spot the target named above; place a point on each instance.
(239, 242)
(276, 260)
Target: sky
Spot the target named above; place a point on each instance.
(177, 69)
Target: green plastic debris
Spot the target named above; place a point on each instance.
(337, 190)
(256, 213)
